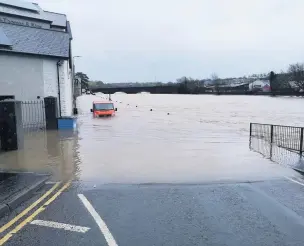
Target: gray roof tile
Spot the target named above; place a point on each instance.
(37, 41)
(3, 39)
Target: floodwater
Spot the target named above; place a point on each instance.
(184, 139)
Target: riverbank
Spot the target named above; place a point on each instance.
(246, 93)
(177, 89)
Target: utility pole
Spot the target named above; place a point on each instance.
(74, 67)
(75, 110)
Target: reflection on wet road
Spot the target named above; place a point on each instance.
(44, 152)
(203, 138)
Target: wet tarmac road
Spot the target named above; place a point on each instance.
(255, 213)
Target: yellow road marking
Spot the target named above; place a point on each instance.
(32, 216)
(24, 212)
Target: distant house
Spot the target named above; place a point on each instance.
(294, 86)
(260, 85)
(35, 54)
(239, 86)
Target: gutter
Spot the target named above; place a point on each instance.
(59, 63)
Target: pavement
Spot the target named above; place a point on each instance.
(16, 188)
(264, 212)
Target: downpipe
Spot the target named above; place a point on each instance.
(59, 64)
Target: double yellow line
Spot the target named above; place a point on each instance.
(34, 214)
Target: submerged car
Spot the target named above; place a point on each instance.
(101, 109)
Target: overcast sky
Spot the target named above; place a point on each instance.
(144, 40)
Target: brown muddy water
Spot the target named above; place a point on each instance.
(203, 138)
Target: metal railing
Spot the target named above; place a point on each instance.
(33, 115)
(287, 137)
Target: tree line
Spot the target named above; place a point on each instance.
(292, 78)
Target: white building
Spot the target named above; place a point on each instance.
(35, 54)
(260, 85)
(294, 86)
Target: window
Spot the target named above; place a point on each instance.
(103, 106)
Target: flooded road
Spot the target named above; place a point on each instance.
(184, 139)
(203, 138)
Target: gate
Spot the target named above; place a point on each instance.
(3, 97)
(33, 115)
(18, 117)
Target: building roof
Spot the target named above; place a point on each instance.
(56, 18)
(260, 81)
(12, 7)
(20, 4)
(52, 39)
(238, 85)
(36, 41)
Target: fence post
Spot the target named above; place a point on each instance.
(250, 129)
(51, 112)
(301, 141)
(271, 133)
(11, 134)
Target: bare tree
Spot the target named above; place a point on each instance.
(214, 77)
(183, 85)
(296, 72)
(182, 80)
(216, 82)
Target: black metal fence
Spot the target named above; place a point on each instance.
(276, 154)
(17, 117)
(287, 137)
(33, 115)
